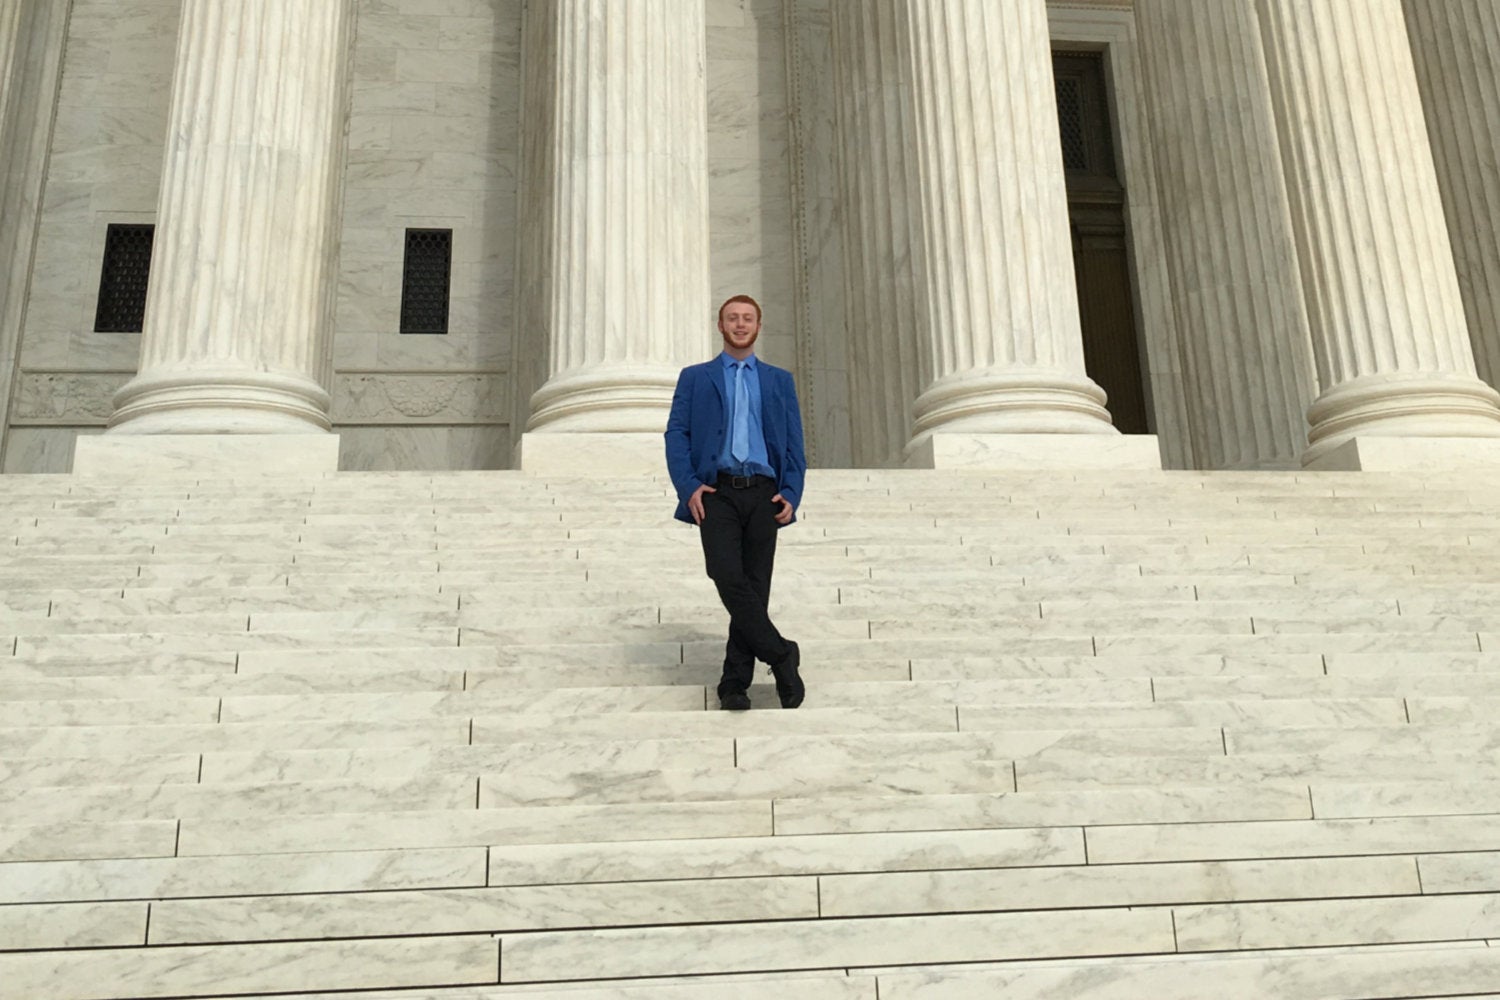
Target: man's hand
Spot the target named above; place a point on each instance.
(695, 502)
(785, 514)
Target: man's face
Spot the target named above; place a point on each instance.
(739, 326)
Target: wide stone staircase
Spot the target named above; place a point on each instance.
(453, 736)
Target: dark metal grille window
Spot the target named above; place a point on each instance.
(1083, 114)
(126, 275)
(1070, 118)
(428, 272)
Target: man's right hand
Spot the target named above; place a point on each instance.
(695, 502)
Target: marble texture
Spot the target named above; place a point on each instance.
(166, 878)
(1325, 923)
(38, 927)
(138, 973)
(1239, 301)
(467, 911)
(1384, 304)
(1315, 973)
(1115, 885)
(552, 956)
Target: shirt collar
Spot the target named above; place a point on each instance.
(730, 362)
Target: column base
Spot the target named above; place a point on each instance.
(1036, 452)
(584, 454)
(1408, 454)
(144, 455)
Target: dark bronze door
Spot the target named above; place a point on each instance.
(1096, 210)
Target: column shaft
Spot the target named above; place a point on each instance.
(1237, 291)
(1004, 346)
(1383, 300)
(882, 226)
(239, 313)
(1456, 46)
(614, 266)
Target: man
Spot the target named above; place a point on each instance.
(734, 451)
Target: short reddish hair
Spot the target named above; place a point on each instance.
(739, 298)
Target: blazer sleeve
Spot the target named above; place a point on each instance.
(679, 438)
(794, 465)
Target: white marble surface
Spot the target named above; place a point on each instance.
(134, 974)
(553, 956)
(130, 455)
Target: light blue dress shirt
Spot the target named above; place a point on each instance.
(758, 464)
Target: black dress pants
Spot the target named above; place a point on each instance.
(739, 551)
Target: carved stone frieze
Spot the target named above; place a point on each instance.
(372, 398)
(67, 399)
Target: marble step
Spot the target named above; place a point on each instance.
(449, 868)
(138, 973)
(1370, 973)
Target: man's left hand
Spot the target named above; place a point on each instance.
(784, 516)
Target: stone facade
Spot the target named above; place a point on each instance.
(883, 175)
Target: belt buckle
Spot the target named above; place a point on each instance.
(740, 482)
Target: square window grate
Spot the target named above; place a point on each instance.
(427, 276)
(124, 280)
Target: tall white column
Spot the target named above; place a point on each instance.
(962, 288)
(239, 311)
(10, 45)
(1456, 45)
(613, 283)
(882, 227)
(1384, 306)
(1003, 348)
(1237, 291)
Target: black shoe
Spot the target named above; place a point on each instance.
(789, 686)
(734, 701)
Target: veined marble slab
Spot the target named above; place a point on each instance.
(160, 642)
(175, 711)
(511, 728)
(467, 911)
(1115, 885)
(1459, 794)
(1474, 872)
(63, 741)
(476, 827)
(1305, 642)
(1483, 741)
(787, 986)
(350, 660)
(39, 926)
(1263, 712)
(248, 801)
(139, 973)
(560, 956)
(785, 855)
(1305, 838)
(1187, 805)
(420, 705)
(41, 841)
(409, 763)
(264, 874)
(41, 772)
(978, 669)
(1333, 922)
(939, 749)
(1311, 974)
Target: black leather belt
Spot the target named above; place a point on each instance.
(743, 482)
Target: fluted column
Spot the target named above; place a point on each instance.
(1383, 300)
(238, 315)
(1237, 291)
(1003, 347)
(10, 44)
(613, 282)
(882, 226)
(1456, 46)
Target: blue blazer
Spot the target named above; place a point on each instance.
(700, 419)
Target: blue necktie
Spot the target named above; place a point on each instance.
(739, 441)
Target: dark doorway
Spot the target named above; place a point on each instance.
(1101, 260)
